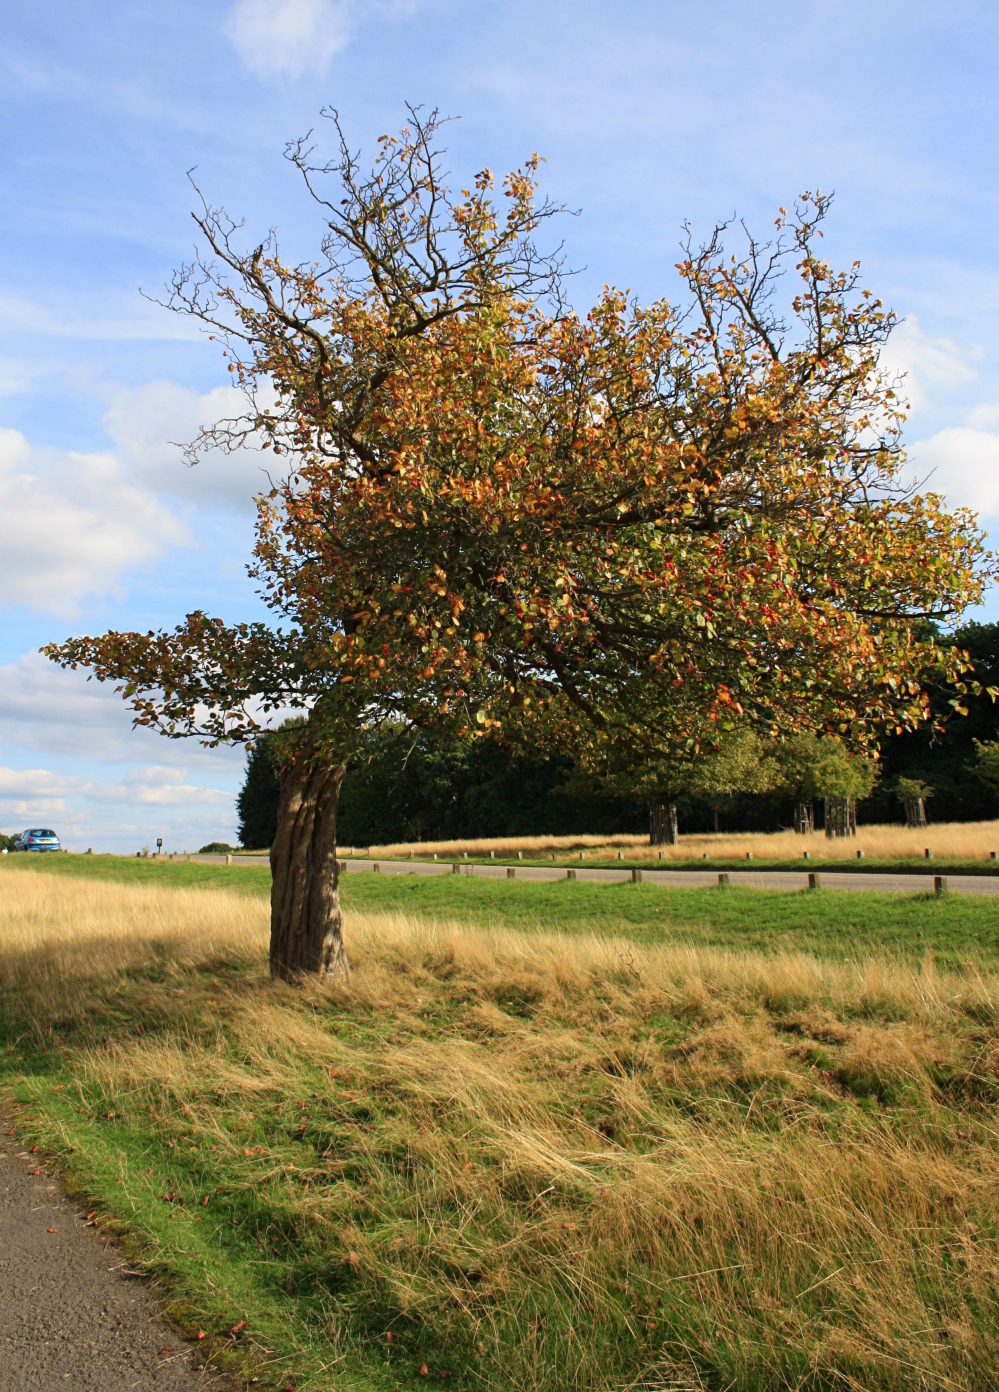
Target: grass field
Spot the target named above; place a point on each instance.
(564, 1136)
(959, 842)
(955, 928)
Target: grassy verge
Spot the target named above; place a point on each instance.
(132, 870)
(520, 1160)
(955, 929)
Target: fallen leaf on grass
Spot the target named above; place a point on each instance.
(424, 1370)
(53, 1229)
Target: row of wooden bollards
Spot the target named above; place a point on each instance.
(511, 871)
(814, 879)
(815, 882)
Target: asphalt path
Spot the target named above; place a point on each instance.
(72, 1314)
(690, 879)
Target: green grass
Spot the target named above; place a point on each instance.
(831, 923)
(250, 879)
(524, 1162)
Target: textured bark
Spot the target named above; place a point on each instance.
(915, 812)
(306, 924)
(663, 827)
(804, 818)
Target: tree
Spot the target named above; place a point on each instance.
(795, 762)
(942, 761)
(842, 778)
(912, 794)
(806, 767)
(625, 536)
(738, 765)
(412, 785)
(986, 764)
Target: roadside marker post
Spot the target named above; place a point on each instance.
(722, 879)
(636, 876)
(511, 872)
(939, 885)
(814, 881)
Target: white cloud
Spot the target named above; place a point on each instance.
(95, 779)
(148, 424)
(103, 315)
(962, 463)
(70, 523)
(930, 364)
(61, 714)
(148, 802)
(287, 37)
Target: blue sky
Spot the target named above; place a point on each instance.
(647, 113)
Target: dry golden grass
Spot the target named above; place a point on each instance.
(965, 841)
(555, 1162)
(501, 845)
(56, 930)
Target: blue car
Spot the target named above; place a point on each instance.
(39, 839)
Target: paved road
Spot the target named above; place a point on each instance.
(691, 879)
(70, 1316)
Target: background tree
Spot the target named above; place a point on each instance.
(795, 762)
(738, 765)
(941, 758)
(841, 779)
(986, 763)
(912, 794)
(412, 785)
(613, 536)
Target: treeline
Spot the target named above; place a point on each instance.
(407, 786)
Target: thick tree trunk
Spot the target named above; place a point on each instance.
(804, 818)
(915, 812)
(663, 827)
(306, 924)
(717, 813)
